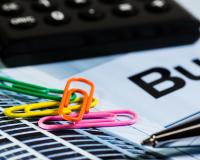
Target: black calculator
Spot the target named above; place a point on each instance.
(40, 31)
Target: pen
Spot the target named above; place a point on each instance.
(177, 133)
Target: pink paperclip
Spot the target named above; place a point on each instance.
(91, 119)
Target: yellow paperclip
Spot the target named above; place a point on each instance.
(40, 109)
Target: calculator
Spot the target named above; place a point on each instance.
(41, 31)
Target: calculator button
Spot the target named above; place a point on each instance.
(77, 3)
(91, 14)
(125, 9)
(43, 5)
(10, 8)
(157, 6)
(57, 17)
(23, 22)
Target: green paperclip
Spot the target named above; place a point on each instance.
(32, 89)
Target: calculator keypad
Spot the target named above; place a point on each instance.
(83, 10)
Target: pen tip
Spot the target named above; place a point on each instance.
(149, 142)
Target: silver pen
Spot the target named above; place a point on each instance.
(175, 136)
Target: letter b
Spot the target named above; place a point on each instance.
(150, 86)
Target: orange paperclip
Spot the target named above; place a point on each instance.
(87, 99)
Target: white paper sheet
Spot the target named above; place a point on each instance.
(113, 83)
(23, 139)
(116, 91)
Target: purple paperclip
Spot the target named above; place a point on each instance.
(91, 119)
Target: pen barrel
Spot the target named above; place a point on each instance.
(170, 137)
(191, 122)
(180, 142)
(177, 133)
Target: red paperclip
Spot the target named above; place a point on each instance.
(87, 100)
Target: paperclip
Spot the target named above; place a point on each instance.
(43, 109)
(87, 100)
(91, 119)
(31, 89)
